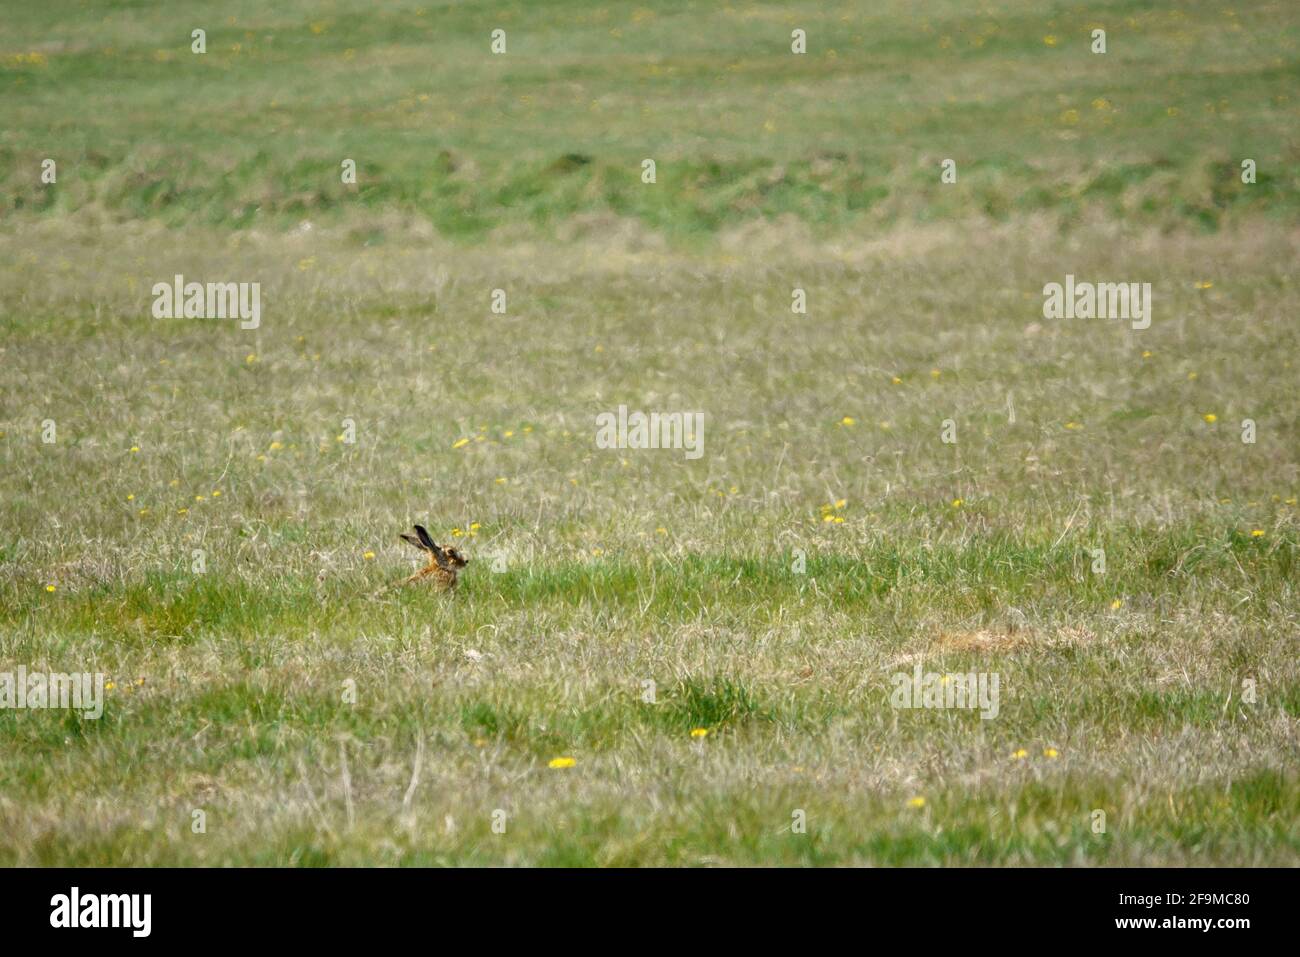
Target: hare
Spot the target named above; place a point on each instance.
(444, 563)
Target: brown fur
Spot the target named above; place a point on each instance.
(444, 565)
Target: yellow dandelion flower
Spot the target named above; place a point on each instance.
(474, 526)
(250, 358)
(456, 533)
(1115, 605)
(897, 381)
(1210, 417)
(1019, 754)
(561, 763)
(935, 373)
(1205, 284)
(131, 497)
(501, 480)
(198, 498)
(460, 443)
(1146, 354)
(661, 530)
(110, 685)
(848, 420)
(841, 502)
(828, 518)
(216, 493)
(135, 448)
(1050, 40)
(50, 588)
(1051, 753)
(182, 511)
(957, 503)
(508, 433)
(276, 446)
(368, 556)
(1257, 533)
(917, 802)
(699, 732)
(1191, 376)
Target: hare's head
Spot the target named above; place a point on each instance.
(454, 558)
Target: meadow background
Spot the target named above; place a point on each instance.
(1121, 692)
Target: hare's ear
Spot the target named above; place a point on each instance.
(425, 539)
(412, 540)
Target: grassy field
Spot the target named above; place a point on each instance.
(827, 539)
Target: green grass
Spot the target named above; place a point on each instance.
(846, 136)
(826, 540)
